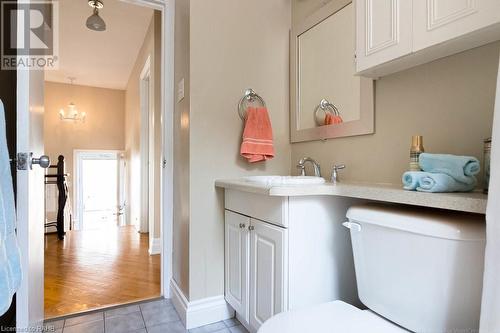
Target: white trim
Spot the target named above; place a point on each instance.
(154, 246)
(201, 312)
(167, 174)
(146, 110)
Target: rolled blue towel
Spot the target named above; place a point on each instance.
(435, 182)
(461, 168)
(411, 179)
(440, 182)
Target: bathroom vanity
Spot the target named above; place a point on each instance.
(284, 253)
(285, 247)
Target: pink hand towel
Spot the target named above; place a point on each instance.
(257, 136)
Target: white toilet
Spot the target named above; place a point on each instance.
(417, 270)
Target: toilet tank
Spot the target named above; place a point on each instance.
(420, 268)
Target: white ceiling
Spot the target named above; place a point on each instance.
(99, 59)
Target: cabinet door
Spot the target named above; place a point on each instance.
(437, 21)
(267, 271)
(383, 31)
(236, 262)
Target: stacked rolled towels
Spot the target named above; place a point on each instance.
(443, 173)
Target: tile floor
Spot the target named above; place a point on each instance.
(157, 316)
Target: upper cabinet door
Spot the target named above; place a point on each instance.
(437, 21)
(267, 272)
(384, 31)
(236, 262)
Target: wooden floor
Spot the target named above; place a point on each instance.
(95, 268)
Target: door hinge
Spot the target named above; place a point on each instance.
(164, 163)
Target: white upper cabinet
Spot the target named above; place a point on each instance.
(393, 35)
(383, 31)
(437, 21)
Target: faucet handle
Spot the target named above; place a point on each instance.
(335, 172)
(302, 169)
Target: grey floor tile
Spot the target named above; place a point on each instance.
(124, 323)
(88, 327)
(84, 319)
(159, 314)
(224, 330)
(166, 303)
(122, 310)
(173, 327)
(231, 322)
(215, 327)
(52, 325)
(238, 329)
(142, 330)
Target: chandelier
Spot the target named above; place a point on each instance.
(72, 112)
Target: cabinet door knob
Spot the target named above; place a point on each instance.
(242, 225)
(251, 227)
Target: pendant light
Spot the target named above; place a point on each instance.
(95, 22)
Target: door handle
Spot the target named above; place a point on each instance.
(43, 161)
(25, 161)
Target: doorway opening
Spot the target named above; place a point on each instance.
(100, 186)
(106, 123)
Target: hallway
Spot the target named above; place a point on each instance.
(101, 267)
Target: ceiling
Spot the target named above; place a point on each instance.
(99, 59)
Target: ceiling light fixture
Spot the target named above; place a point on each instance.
(95, 22)
(72, 114)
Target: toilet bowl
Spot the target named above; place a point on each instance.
(417, 270)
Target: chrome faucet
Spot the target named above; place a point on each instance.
(302, 167)
(335, 172)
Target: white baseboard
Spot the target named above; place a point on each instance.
(155, 246)
(201, 312)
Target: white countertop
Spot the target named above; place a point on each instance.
(474, 202)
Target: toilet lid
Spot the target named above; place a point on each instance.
(329, 317)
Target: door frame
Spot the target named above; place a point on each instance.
(28, 309)
(146, 153)
(78, 156)
(167, 8)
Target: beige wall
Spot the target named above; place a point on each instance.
(448, 101)
(234, 45)
(180, 255)
(152, 42)
(103, 128)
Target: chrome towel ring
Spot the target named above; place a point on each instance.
(325, 106)
(249, 97)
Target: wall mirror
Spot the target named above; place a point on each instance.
(327, 99)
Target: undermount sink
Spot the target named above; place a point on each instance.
(285, 180)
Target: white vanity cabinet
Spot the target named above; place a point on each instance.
(393, 35)
(254, 264)
(284, 253)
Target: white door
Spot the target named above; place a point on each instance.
(30, 198)
(236, 262)
(383, 31)
(437, 21)
(267, 271)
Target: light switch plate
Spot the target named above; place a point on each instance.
(180, 90)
